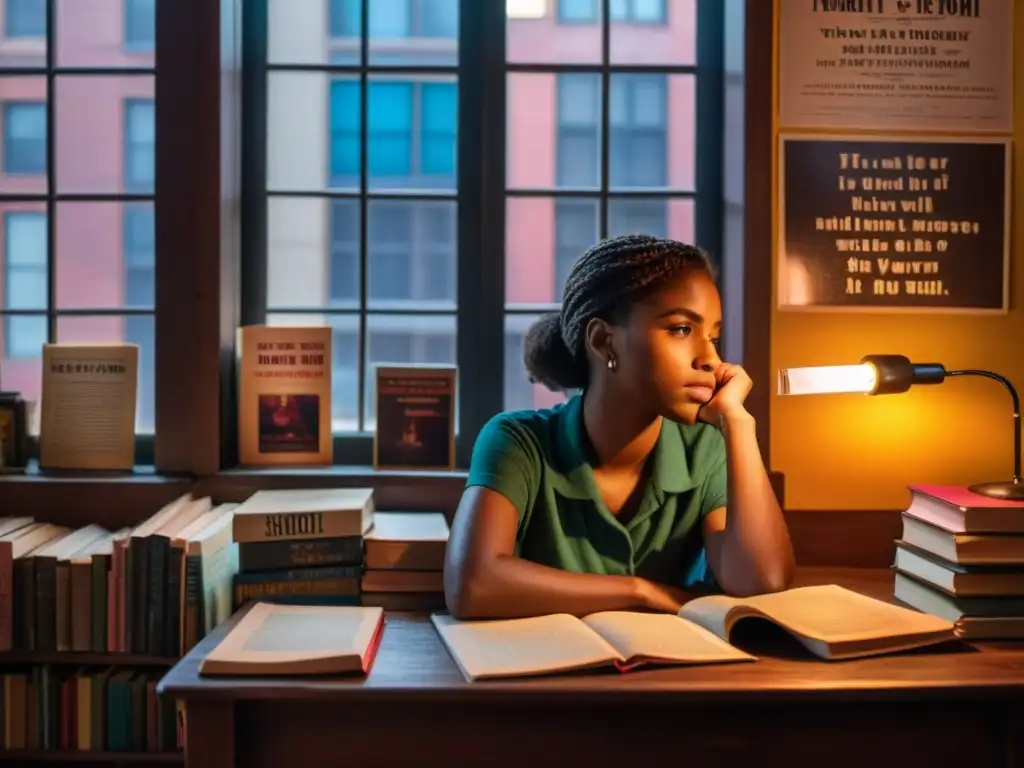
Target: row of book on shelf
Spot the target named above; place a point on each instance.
(157, 589)
(961, 557)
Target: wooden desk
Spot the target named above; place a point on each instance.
(935, 707)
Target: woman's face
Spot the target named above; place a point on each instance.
(667, 351)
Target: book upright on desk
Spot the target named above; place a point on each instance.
(302, 546)
(961, 557)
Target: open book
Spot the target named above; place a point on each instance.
(298, 640)
(830, 621)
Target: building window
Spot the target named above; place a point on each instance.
(25, 19)
(579, 130)
(638, 130)
(412, 134)
(139, 145)
(25, 137)
(396, 18)
(25, 282)
(139, 260)
(622, 11)
(140, 24)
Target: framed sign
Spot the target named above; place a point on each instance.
(883, 224)
(913, 65)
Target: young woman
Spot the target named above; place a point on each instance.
(617, 498)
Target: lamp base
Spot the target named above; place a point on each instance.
(1008, 490)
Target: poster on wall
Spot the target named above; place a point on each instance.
(884, 224)
(913, 65)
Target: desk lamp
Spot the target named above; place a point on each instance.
(892, 374)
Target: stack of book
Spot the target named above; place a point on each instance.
(405, 561)
(302, 546)
(961, 557)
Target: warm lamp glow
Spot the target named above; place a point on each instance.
(828, 379)
(525, 9)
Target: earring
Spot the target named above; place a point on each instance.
(613, 364)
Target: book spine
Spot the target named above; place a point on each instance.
(290, 526)
(6, 596)
(301, 574)
(46, 604)
(344, 587)
(283, 555)
(100, 569)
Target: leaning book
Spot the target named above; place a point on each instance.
(276, 639)
(88, 405)
(284, 395)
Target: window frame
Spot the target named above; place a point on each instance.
(9, 107)
(481, 196)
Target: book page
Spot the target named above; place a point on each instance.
(830, 613)
(661, 636)
(88, 406)
(519, 647)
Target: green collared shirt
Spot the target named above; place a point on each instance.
(538, 460)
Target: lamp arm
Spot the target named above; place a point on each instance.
(1016, 412)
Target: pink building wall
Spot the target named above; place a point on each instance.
(89, 144)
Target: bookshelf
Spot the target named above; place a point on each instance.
(62, 757)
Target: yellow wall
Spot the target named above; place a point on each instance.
(856, 452)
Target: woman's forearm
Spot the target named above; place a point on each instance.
(511, 587)
(757, 554)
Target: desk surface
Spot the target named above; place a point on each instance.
(412, 663)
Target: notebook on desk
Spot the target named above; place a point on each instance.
(830, 621)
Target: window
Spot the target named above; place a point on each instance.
(139, 289)
(140, 24)
(25, 137)
(396, 18)
(25, 18)
(25, 283)
(139, 145)
(411, 133)
(627, 11)
(430, 212)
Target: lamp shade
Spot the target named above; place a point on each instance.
(827, 379)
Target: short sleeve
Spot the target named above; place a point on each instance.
(715, 490)
(506, 459)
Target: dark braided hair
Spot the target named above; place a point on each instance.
(603, 283)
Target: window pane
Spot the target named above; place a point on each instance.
(345, 133)
(25, 258)
(519, 392)
(543, 237)
(658, 32)
(301, 239)
(439, 131)
(24, 137)
(345, 374)
(398, 29)
(107, 255)
(402, 339)
(343, 267)
(553, 31)
(133, 330)
(644, 149)
(105, 33)
(672, 217)
(91, 112)
(411, 253)
(25, 18)
(564, 155)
